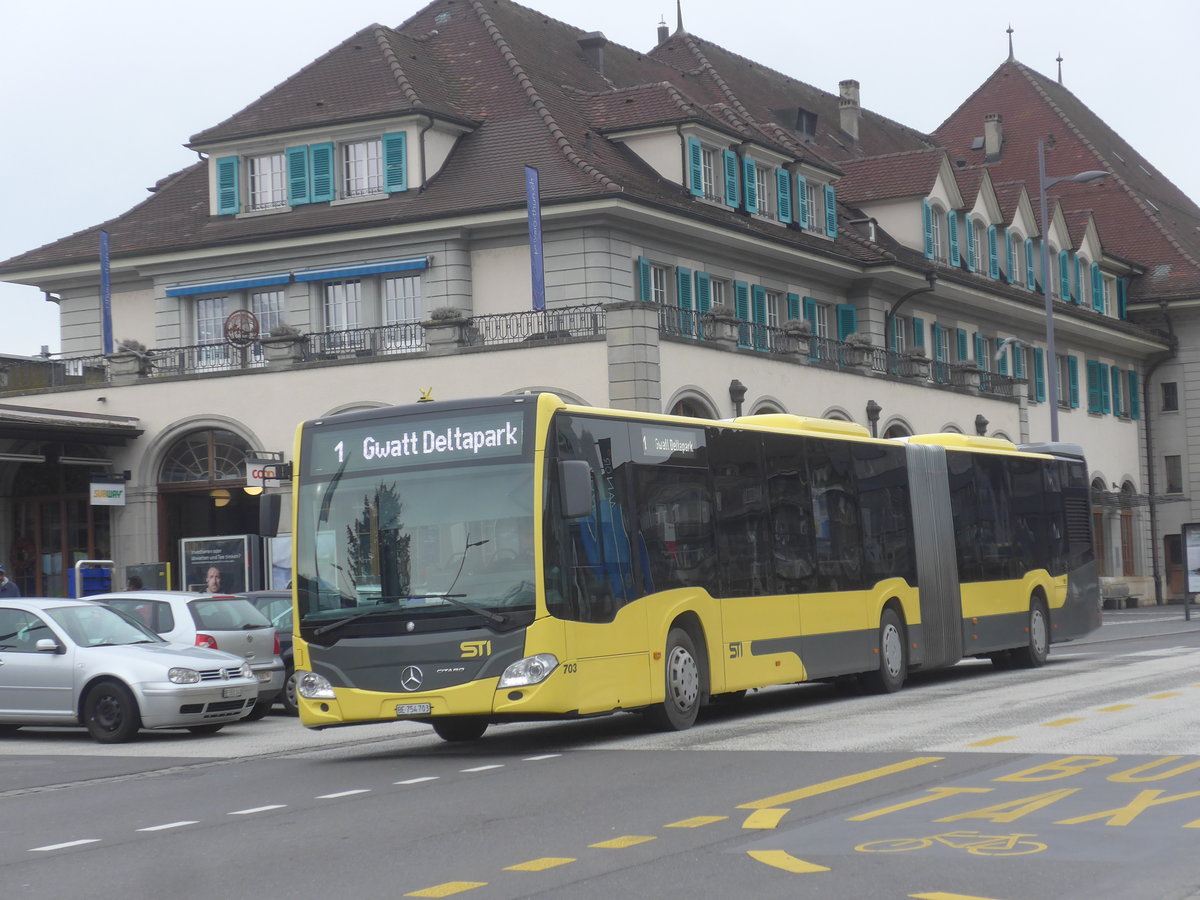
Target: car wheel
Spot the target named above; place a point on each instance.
(462, 728)
(1033, 655)
(261, 708)
(206, 729)
(110, 713)
(686, 685)
(289, 697)
(893, 656)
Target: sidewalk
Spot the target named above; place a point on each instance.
(1145, 621)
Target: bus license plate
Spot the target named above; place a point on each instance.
(412, 709)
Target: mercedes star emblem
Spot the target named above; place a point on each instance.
(411, 678)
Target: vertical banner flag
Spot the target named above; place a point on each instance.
(537, 269)
(105, 295)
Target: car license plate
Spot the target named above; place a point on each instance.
(231, 692)
(412, 709)
(264, 676)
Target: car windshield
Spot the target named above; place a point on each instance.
(396, 541)
(98, 626)
(226, 614)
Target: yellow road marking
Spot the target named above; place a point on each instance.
(764, 818)
(696, 821)
(540, 865)
(449, 889)
(781, 859)
(825, 787)
(1164, 696)
(988, 742)
(934, 794)
(1116, 707)
(1059, 723)
(629, 840)
(938, 895)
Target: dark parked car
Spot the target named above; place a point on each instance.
(277, 607)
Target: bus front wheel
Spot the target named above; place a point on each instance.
(893, 656)
(1033, 654)
(686, 685)
(463, 728)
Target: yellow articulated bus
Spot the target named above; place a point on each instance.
(518, 558)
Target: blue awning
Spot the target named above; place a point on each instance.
(217, 287)
(393, 265)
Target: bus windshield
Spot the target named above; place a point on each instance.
(416, 542)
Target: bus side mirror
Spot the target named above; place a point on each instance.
(574, 487)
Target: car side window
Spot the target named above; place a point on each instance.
(20, 630)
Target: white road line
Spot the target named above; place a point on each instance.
(483, 768)
(343, 794)
(543, 756)
(63, 846)
(417, 780)
(257, 809)
(170, 825)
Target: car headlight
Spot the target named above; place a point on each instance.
(180, 675)
(530, 670)
(246, 671)
(312, 686)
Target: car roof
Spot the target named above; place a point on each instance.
(183, 596)
(40, 602)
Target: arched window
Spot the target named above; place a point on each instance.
(690, 406)
(205, 457)
(896, 430)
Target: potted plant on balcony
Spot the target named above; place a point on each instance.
(131, 358)
(799, 336)
(965, 373)
(445, 328)
(283, 343)
(914, 363)
(721, 324)
(859, 349)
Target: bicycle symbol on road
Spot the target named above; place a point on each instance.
(971, 841)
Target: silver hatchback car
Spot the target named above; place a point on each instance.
(69, 662)
(216, 621)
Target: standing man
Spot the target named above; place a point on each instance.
(8, 588)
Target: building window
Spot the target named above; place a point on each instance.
(342, 305)
(658, 285)
(1017, 275)
(816, 211)
(941, 249)
(1170, 396)
(708, 173)
(268, 181)
(1108, 292)
(720, 292)
(821, 323)
(268, 308)
(403, 310)
(899, 332)
(980, 262)
(766, 190)
(1174, 473)
(362, 168)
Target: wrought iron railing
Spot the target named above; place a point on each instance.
(535, 325)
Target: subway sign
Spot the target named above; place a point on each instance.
(107, 493)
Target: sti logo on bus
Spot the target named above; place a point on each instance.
(472, 649)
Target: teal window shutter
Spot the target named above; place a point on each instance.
(703, 292)
(324, 187)
(1009, 257)
(1018, 356)
(1122, 299)
(1077, 296)
(927, 225)
(847, 320)
(1115, 375)
(993, 253)
(939, 353)
(972, 251)
(1039, 374)
(1030, 278)
(299, 185)
(227, 186)
(803, 214)
(1135, 398)
(918, 332)
(741, 300)
(1073, 381)
(1105, 399)
(831, 222)
(695, 168)
(1097, 288)
(1093, 386)
(683, 287)
(1064, 275)
(645, 288)
(395, 161)
(1002, 359)
(952, 233)
(810, 313)
(758, 307)
(750, 184)
(783, 194)
(730, 161)
(793, 307)
(980, 351)
(961, 340)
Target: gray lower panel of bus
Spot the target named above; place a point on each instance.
(937, 563)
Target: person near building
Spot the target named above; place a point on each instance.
(8, 588)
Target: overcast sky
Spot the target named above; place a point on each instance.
(100, 97)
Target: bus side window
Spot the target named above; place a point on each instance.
(790, 502)
(743, 529)
(835, 516)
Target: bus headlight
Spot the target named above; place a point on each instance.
(312, 686)
(530, 670)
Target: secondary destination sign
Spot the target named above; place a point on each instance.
(387, 443)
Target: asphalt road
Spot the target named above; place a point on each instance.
(1079, 780)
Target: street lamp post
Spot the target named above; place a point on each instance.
(1051, 357)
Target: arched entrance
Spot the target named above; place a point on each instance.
(200, 491)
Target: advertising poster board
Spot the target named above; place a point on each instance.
(279, 562)
(1191, 556)
(219, 565)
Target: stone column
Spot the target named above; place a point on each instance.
(634, 377)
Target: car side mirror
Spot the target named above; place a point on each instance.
(48, 645)
(575, 487)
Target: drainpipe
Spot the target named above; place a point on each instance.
(421, 148)
(1150, 481)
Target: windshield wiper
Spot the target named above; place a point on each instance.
(333, 626)
(494, 617)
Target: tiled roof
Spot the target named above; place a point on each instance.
(885, 177)
(1140, 214)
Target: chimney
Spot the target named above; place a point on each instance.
(664, 30)
(592, 45)
(993, 136)
(848, 107)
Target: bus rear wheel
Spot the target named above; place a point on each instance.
(1033, 654)
(893, 656)
(462, 728)
(686, 685)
